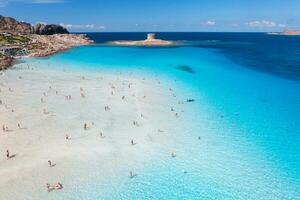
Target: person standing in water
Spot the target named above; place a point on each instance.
(131, 174)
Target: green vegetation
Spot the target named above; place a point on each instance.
(13, 39)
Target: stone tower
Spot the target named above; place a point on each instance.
(150, 36)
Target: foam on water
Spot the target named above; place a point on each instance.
(248, 123)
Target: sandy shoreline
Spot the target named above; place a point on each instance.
(36, 99)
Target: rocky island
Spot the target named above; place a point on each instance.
(19, 39)
(150, 41)
(286, 32)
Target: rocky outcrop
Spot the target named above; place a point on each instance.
(11, 25)
(45, 45)
(51, 29)
(21, 39)
(6, 62)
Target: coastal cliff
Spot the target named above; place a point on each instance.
(11, 25)
(22, 39)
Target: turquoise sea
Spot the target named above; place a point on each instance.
(246, 113)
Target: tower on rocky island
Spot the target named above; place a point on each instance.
(150, 36)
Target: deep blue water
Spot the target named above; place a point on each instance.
(279, 55)
(247, 111)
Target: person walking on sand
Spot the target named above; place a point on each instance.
(7, 154)
(132, 142)
(49, 188)
(101, 134)
(131, 175)
(50, 163)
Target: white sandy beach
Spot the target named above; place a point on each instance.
(36, 99)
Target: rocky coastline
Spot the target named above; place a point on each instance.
(20, 39)
(6, 62)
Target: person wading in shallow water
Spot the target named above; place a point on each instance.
(131, 174)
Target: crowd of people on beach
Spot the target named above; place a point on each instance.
(86, 126)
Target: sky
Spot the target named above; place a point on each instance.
(158, 15)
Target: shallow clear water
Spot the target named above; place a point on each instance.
(248, 121)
